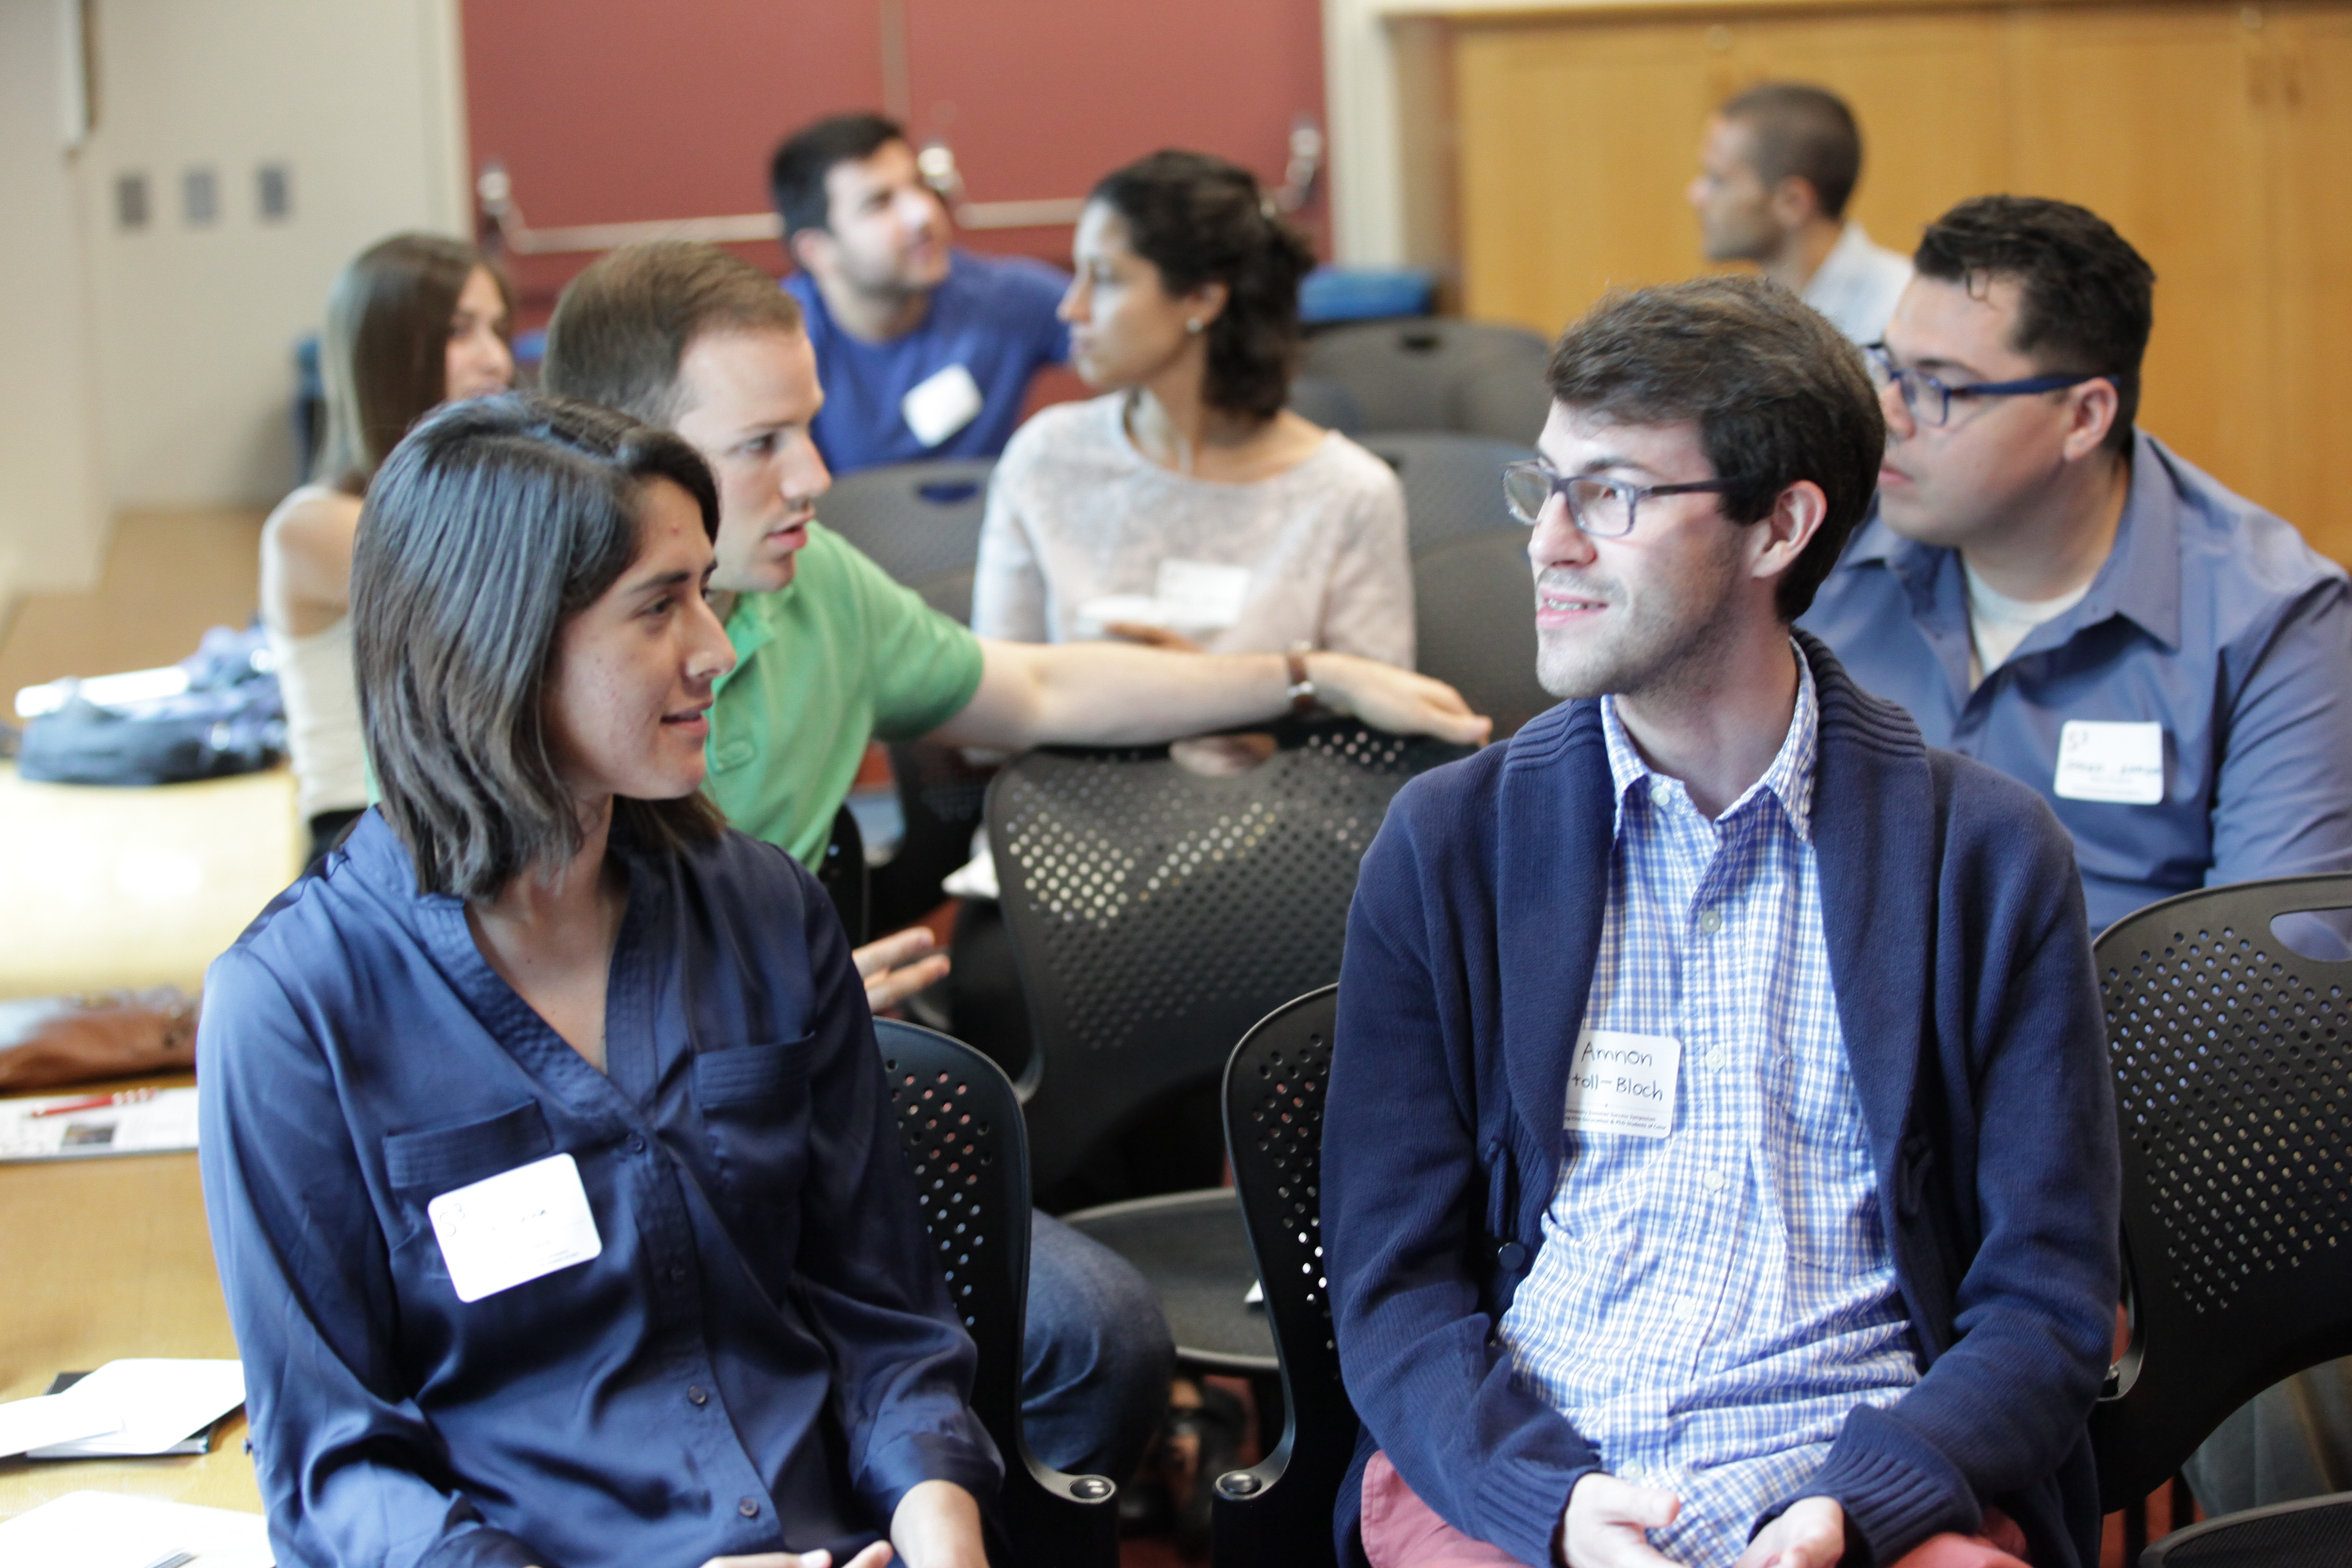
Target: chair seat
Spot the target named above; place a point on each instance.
(1196, 1251)
(2312, 1532)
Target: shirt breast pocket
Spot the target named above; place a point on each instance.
(423, 1164)
(755, 1101)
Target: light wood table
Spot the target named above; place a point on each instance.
(101, 1259)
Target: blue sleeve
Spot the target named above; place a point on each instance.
(1042, 287)
(348, 1469)
(2282, 795)
(869, 1280)
(1403, 1218)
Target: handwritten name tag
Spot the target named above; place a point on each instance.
(2110, 762)
(509, 1229)
(1618, 1082)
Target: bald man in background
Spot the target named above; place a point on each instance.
(1777, 167)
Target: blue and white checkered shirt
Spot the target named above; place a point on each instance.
(1708, 1306)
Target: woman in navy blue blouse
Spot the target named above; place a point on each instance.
(549, 1167)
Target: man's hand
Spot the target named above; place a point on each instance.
(1605, 1520)
(1809, 1534)
(1395, 700)
(937, 1525)
(897, 967)
(1151, 636)
(874, 1556)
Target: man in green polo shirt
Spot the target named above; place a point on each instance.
(830, 653)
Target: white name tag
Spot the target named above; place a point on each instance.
(513, 1228)
(940, 404)
(2120, 763)
(1196, 594)
(1624, 1083)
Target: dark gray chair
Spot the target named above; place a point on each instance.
(917, 521)
(1437, 373)
(1453, 484)
(1473, 615)
(1326, 403)
(959, 1130)
(1279, 1510)
(2310, 1532)
(2233, 1059)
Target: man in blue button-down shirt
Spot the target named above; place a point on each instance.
(2051, 592)
(2060, 595)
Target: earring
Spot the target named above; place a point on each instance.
(1194, 326)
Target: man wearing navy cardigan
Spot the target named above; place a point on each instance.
(1720, 1164)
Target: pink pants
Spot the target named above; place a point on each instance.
(1402, 1532)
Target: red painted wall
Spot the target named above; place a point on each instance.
(615, 111)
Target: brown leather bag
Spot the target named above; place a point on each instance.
(53, 1041)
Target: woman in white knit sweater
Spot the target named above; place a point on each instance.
(1187, 504)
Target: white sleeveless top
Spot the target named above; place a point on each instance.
(322, 718)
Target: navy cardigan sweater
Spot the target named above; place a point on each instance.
(1955, 924)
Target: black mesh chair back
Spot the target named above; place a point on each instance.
(2232, 1058)
(960, 1129)
(1453, 484)
(1279, 1510)
(2310, 1532)
(1156, 913)
(917, 521)
(1434, 373)
(1474, 616)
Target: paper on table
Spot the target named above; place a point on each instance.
(108, 1529)
(151, 1405)
(52, 1418)
(161, 1125)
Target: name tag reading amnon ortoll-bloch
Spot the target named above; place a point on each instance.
(1624, 1083)
(509, 1229)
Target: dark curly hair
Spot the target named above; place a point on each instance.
(2086, 298)
(1200, 219)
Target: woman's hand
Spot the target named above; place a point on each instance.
(1151, 636)
(1395, 700)
(937, 1525)
(874, 1556)
(897, 967)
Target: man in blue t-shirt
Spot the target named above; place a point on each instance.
(925, 351)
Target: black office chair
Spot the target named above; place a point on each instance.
(1435, 373)
(2232, 1057)
(2310, 1532)
(1279, 1510)
(1474, 616)
(842, 873)
(917, 521)
(1155, 915)
(1453, 484)
(960, 1129)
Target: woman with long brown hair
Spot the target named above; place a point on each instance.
(414, 321)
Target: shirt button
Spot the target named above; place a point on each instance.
(637, 1144)
(1711, 921)
(1686, 1307)
(1713, 1181)
(695, 1396)
(677, 1273)
(749, 1508)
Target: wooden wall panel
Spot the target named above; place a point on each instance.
(2213, 136)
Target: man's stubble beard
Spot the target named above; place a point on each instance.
(1662, 649)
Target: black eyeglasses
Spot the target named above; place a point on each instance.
(1930, 401)
(1599, 506)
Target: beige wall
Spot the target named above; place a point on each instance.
(150, 369)
(195, 325)
(52, 508)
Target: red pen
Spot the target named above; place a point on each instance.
(98, 1102)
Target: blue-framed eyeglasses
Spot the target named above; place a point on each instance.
(1600, 506)
(1930, 401)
